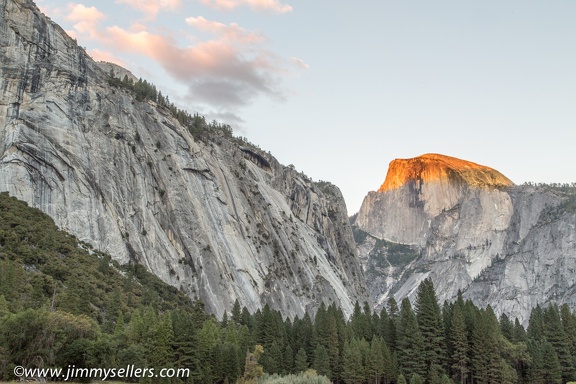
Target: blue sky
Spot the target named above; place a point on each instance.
(341, 88)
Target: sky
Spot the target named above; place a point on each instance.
(340, 88)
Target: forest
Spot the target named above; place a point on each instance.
(63, 303)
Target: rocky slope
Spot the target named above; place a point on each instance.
(218, 218)
(468, 227)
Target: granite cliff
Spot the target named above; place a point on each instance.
(469, 228)
(216, 217)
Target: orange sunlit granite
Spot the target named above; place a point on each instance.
(435, 167)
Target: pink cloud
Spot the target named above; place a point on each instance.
(86, 19)
(230, 71)
(232, 31)
(100, 55)
(261, 5)
(151, 7)
(227, 71)
(299, 62)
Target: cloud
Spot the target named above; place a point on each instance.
(225, 72)
(85, 19)
(151, 7)
(260, 5)
(230, 70)
(100, 55)
(230, 32)
(299, 63)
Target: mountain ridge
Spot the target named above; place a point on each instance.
(436, 167)
(208, 213)
(507, 246)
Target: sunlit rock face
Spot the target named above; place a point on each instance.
(468, 228)
(219, 219)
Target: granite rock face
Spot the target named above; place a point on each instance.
(468, 228)
(218, 218)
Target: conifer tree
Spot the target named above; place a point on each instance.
(390, 336)
(288, 363)
(535, 329)
(236, 312)
(519, 332)
(551, 365)
(375, 363)
(416, 379)
(272, 359)
(554, 333)
(459, 342)
(185, 342)
(352, 365)
(506, 327)
(401, 379)
(569, 325)
(486, 361)
(430, 324)
(326, 334)
(321, 362)
(410, 342)
(300, 361)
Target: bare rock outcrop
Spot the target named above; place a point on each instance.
(218, 218)
(468, 228)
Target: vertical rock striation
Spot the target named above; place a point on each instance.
(218, 218)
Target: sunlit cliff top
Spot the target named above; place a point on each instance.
(435, 167)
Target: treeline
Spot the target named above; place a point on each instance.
(66, 305)
(145, 91)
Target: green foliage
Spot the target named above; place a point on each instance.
(144, 91)
(62, 303)
(308, 377)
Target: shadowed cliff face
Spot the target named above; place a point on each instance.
(221, 220)
(468, 228)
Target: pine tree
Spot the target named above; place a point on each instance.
(430, 324)
(231, 360)
(326, 334)
(569, 325)
(416, 379)
(485, 353)
(551, 365)
(272, 359)
(519, 332)
(352, 366)
(401, 379)
(459, 342)
(535, 371)
(321, 361)
(506, 327)
(3, 307)
(375, 363)
(410, 342)
(535, 329)
(300, 361)
(288, 363)
(554, 333)
(390, 336)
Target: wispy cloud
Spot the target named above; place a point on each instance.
(228, 70)
(85, 19)
(151, 7)
(300, 63)
(260, 5)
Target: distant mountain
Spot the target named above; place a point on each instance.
(118, 166)
(469, 228)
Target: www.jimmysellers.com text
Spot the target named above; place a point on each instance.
(72, 372)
